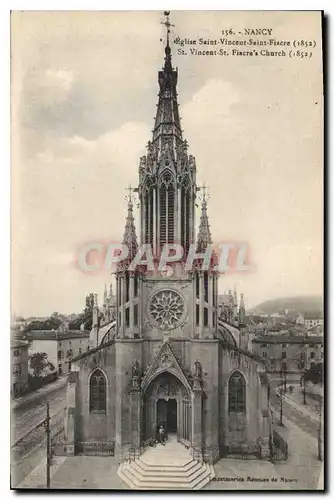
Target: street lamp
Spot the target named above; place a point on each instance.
(281, 394)
(304, 388)
(319, 434)
(48, 445)
(284, 372)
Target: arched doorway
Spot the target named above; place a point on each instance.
(168, 403)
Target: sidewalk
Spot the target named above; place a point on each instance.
(80, 472)
(43, 391)
(302, 464)
(308, 410)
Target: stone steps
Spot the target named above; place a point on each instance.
(176, 473)
(170, 467)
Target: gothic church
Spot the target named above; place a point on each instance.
(164, 355)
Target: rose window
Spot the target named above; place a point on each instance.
(166, 309)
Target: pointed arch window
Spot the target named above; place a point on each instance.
(148, 213)
(166, 207)
(97, 392)
(185, 213)
(237, 393)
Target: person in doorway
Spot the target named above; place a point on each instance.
(162, 435)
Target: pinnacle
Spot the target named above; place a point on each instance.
(130, 237)
(204, 235)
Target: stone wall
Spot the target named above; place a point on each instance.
(243, 433)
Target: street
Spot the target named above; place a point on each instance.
(28, 439)
(306, 417)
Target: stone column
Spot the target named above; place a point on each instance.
(201, 303)
(178, 215)
(197, 425)
(117, 304)
(154, 209)
(210, 302)
(131, 299)
(135, 416)
(123, 299)
(197, 419)
(121, 306)
(186, 420)
(70, 416)
(216, 301)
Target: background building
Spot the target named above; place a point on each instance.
(60, 347)
(290, 353)
(19, 367)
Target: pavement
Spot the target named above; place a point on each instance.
(80, 472)
(39, 394)
(302, 470)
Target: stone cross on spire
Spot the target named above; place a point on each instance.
(204, 196)
(168, 59)
(168, 25)
(128, 197)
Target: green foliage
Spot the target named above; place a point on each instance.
(52, 323)
(38, 362)
(76, 323)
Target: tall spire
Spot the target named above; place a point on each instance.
(204, 234)
(105, 295)
(130, 237)
(167, 173)
(167, 121)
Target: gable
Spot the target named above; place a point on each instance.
(165, 361)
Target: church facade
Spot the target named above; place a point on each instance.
(166, 355)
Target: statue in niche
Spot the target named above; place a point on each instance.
(136, 369)
(198, 369)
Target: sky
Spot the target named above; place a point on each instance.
(84, 93)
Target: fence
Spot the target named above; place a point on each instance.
(278, 448)
(30, 449)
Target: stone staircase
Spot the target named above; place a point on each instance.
(169, 467)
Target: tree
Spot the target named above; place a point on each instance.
(77, 322)
(52, 323)
(38, 362)
(88, 312)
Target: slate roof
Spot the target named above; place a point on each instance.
(55, 335)
(285, 339)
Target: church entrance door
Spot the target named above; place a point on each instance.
(167, 414)
(167, 403)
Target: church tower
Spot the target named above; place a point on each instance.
(177, 301)
(167, 174)
(164, 358)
